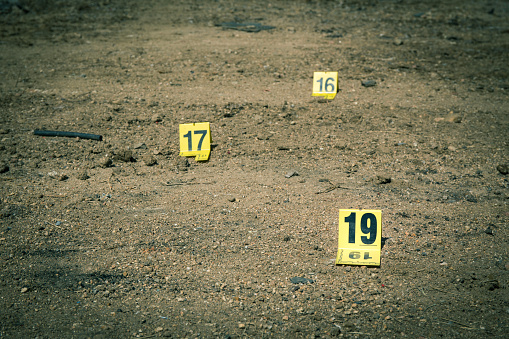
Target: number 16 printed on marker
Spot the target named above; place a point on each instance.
(325, 84)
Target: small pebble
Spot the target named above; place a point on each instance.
(382, 179)
(157, 118)
(336, 331)
(140, 145)
(503, 169)
(398, 42)
(368, 83)
(82, 175)
(125, 156)
(182, 164)
(149, 160)
(105, 162)
(453, 118)
(301, 280)
(291, 174)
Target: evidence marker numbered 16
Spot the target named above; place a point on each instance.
(359, 237)
(195, 140)
(325, 84)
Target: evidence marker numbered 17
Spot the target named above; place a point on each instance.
(195, 140)
(325, 84)
(359, 237)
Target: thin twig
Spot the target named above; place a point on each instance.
(427, 308)
(185, 183)
(178, 183)
(458, 323)
(437, 289)
(116, 180)
(333, 187)
(17, 79)
(487, 281)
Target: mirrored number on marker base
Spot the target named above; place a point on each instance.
(359, 237)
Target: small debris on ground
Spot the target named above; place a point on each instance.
(291, 174)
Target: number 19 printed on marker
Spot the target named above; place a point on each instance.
(359, 237)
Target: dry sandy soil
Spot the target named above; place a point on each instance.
(124, 238)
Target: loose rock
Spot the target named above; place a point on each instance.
(382, 179)
(125, 156)
(182, 164)
(82, 175)
(291, 174)
(335, 331)
(453, 118)
(503, 169)
(368, 83)
(301, 280)
(140, 145)
(105, 162)
(157, 118)
(149, 160)
(398, 42)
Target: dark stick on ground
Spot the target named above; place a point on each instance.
(68, 134)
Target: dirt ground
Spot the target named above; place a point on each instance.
(124, 238)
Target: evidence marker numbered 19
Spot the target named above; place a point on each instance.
(359, 237)
(195, 140)
(325, 84)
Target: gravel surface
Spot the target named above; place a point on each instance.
(124, 238)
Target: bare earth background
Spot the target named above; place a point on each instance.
(123, 238)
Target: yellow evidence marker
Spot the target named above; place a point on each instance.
(325, 84)
(359, 237)
(195, 140)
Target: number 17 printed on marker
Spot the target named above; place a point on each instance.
(359, 237)
(195, 140)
